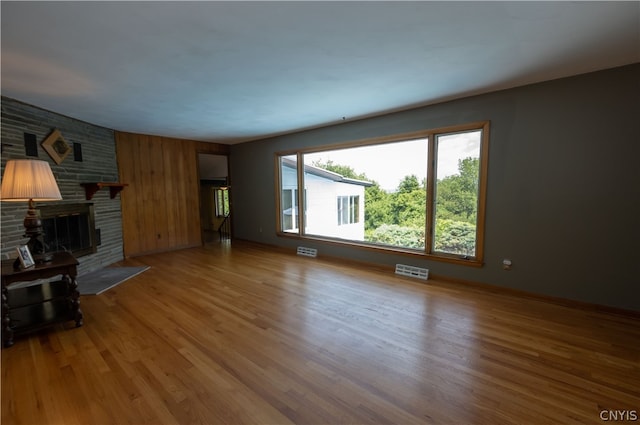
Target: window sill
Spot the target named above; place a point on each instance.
(452, 259)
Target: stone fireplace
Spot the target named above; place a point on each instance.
(90, 229)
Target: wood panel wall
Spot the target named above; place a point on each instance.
(161, 204)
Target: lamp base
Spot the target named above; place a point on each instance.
(37, 249)
(33, 231)
(43, 258)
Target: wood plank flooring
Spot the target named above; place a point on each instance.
(244, 335)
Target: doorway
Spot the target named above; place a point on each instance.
(215, 208)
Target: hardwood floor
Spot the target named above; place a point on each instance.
(241, 334)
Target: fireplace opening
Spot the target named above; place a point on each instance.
(69, 227)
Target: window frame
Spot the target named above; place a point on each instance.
(428, 252)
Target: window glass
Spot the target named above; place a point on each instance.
(456, 194)
(373, 192)
(222, 201)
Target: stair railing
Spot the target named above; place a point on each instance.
(225, 229)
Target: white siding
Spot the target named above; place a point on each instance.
(322, 205)
(322, 208)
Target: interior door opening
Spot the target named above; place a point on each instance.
(215, 205)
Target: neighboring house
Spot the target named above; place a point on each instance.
(334, 203)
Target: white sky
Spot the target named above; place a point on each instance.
(388, 164)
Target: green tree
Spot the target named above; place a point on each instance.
(456, 209)
(408, 203)
(377, 207)
(457, 195)
(409, 184)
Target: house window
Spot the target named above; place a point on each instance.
(348, 209)
(221, 196)
(420, 193)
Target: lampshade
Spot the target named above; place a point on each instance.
(29, 179)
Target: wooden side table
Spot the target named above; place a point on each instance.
(37, 306)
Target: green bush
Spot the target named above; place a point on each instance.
(455, 237)
(392, 234)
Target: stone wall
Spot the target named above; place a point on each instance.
(98, 164)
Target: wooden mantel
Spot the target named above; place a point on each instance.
(91, 188)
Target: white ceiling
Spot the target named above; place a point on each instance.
(235, 71)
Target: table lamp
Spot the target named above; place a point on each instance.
(30, 180)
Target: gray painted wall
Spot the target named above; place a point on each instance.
(99, 164)
(563, 191)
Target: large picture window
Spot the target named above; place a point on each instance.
(422, 193)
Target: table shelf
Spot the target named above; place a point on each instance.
(36, 316)
(41, 304)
